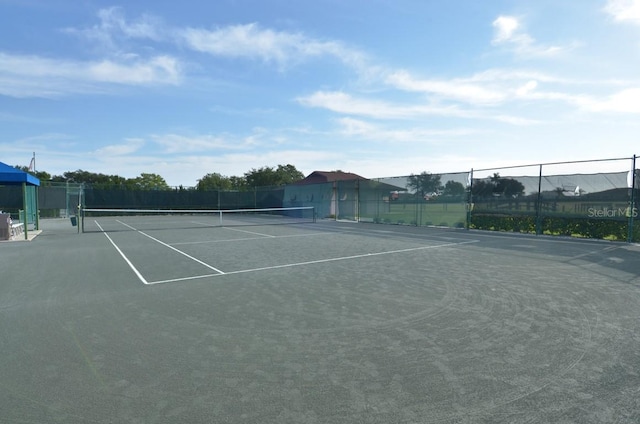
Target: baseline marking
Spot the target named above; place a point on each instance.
(319, 261)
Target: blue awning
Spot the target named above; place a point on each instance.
(13, 176)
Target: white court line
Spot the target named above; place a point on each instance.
(174, 249)
(248, 232)
(249, 238)
(135, 270)
(319, 261)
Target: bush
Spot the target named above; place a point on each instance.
(566, 226)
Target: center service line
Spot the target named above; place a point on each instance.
(174, 249)
(319, 261)
(135, 270)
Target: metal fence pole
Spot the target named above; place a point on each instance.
(539, 204)
(25, 207)
(632, 200)
(470, 199)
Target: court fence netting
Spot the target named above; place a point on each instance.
(590, 198)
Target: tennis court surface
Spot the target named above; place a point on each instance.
(316, 322)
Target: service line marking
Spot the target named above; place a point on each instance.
(249, 232)
(318, 261)
(248, 239)
(174, 249)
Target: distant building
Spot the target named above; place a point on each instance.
(337, 194)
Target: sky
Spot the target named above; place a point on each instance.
(379, 88)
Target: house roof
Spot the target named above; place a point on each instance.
(322, 177)
(13, 176)
(318, 177)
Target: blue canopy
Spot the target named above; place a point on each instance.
(13, 176)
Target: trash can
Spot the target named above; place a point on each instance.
(74, 221)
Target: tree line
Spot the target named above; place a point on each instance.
(429, 185)
(264, 176)
(423, 185)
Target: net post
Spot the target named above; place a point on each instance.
(80, 219)
(80, 214)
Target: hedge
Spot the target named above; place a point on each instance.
(609, 229)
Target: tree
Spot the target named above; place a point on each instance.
(497, 186)
(559, 191)
(148, 181)
(81, 176)
(454, 188)
(214, 181)
(508, 187)
(289, 174)
(268, 176)
(482, 188)
(41, 175)
(238, 183)
(424, 183)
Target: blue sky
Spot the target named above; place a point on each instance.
(378, 87)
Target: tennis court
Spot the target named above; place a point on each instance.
(316, 322)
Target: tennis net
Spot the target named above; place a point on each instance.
(110, 220)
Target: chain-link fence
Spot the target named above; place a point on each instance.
(560, 200)
(552, 198)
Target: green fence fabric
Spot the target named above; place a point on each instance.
(540, 199)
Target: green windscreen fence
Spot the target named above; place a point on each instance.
(557, 201)
(555, 198)
(59, 200)
(397, 200)
(13, 199)
(321, 196)
(31, 202)
(261, 197)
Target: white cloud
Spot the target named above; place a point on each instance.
(502, 86)
(508, 32)
(624, 10)
(625, 101)
(506, 27)
(175, 143)
(344, 103)
(131, 145)
(157, 70)
(35, 76)
(526, 88)
(250, 41)
(371, 132)
(113, 27)
(456, 89)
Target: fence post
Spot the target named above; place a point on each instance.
(632, 200)
(357, 201)
(470, 199)
(539, 204)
